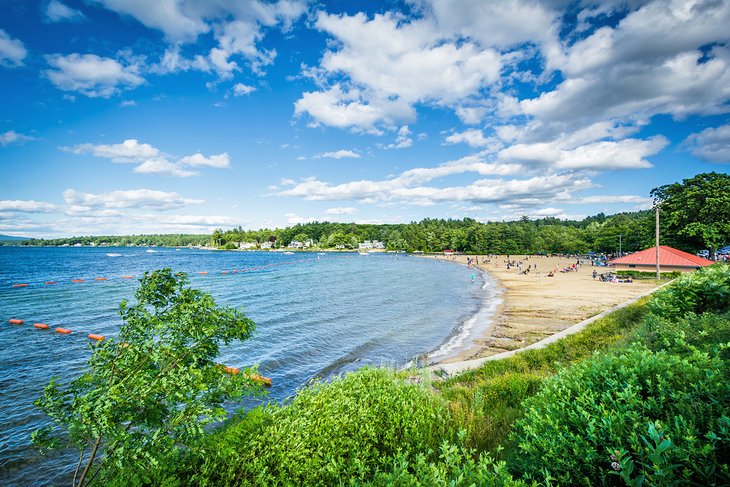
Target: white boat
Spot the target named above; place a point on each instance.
(364, 252)
(288, 253)
(113, 255)
(150, 251)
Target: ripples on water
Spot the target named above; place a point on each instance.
(316, 315)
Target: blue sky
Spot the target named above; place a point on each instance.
(131, 116)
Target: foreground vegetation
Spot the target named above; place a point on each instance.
(640, 397)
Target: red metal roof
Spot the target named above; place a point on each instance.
(668, 256)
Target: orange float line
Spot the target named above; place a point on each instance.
(202, 273)
(41, 326)
(225, 272)
(63, 331)
(78, 280)
(50, 282)
(100, 279)
(98, 338)
(127, 277)
(15, 321)
(20, 285)
(264, 381)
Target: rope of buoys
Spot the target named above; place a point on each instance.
(202, 273)
(264, 381)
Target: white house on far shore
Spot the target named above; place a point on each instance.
(295, 244)
(247, 245)
(371, 244)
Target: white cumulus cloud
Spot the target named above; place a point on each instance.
(340, 154)
(26, 206)
(13, 137)
(149, 159)
(219, 161)
(240, 89)
(91, 75)
(712, 144)
(125, 199)
(57, 11)
(12, 51)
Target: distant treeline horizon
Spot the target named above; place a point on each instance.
(625, 232)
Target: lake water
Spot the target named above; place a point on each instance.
(316, 315)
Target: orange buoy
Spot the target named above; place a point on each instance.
(20, 285)
(98, 338)
(127, 277)
(77, 280)
(16, 322)
(100, 278)
(63, 331)
(264, 381)
(41, 326)
(202, 273)
(50, 282)
(231, 370)
(225, 272)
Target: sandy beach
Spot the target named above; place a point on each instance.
(535, 306)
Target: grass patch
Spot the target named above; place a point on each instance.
(487, 401)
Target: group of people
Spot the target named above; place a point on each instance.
(609, 277)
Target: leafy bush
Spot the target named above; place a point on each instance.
(649, 416)
(705, 333)
(642, 275)
(706, 290)
(329, 433)
(455, 467)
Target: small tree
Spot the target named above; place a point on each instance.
(148, 394)
(697, 210)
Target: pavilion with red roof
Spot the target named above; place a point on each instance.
(670, 259)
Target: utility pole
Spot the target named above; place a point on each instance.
(658, 273)
(620, 254)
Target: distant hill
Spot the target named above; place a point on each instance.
(5, 238)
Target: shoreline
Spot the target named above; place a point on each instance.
(534, 306)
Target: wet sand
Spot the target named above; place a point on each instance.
(535, 306)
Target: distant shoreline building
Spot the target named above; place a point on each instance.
(670, 260)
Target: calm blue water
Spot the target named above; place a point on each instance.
(316, 315)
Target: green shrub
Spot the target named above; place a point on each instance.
(330, 432)
(705, 333)
(705, 290)
(615, 414)
(455, 467)
(646, 276)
